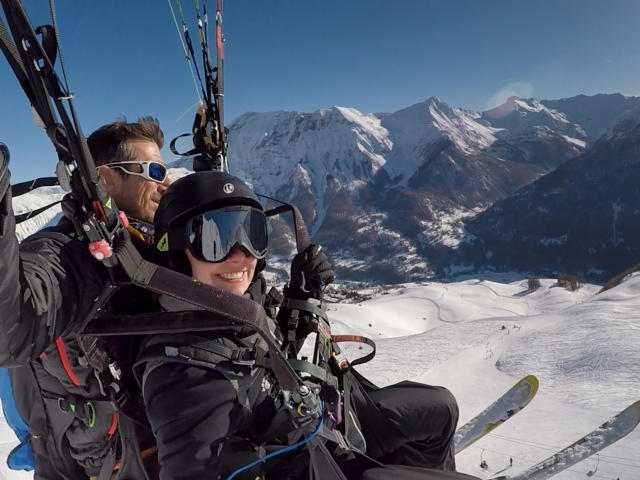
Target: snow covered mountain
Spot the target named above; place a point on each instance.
(581, 218)
(595, 114)
(388, 195)
(404, 184)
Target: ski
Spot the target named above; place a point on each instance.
(606, 434)
(514, 400)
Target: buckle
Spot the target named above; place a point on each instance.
(338, 364)
(65, 405)
(243, 356)
(339, 439)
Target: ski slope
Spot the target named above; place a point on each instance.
(479, 336)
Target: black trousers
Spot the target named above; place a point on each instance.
(408, 423)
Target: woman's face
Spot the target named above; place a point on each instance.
(233, 275)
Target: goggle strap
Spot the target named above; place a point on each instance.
(177, 240)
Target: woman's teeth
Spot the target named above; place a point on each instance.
(232, 276)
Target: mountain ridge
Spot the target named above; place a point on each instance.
(400, 196)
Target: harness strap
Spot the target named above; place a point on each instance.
(323, 462)
(305, 367)
(108, 466)
(357, 339)
(209, 352)
(304, 306)
(32, 213)
(81, 408)
(25, 187)
(230, 309)
(131, 464)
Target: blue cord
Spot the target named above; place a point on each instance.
(279, 452)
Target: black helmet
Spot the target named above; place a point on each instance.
(196, 194)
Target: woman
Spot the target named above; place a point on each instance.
(214, 229)
(213, 403)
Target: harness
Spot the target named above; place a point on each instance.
(320, 408)
(115, 399)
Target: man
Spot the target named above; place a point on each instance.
(116, 149)
(47, 287)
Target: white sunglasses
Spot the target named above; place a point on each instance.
(151, 170)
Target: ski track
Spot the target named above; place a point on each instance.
(573, 362)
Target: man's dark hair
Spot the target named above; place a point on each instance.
(108, 143)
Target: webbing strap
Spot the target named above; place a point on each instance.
(210, 353)
(357, 339)
(21, 188)
(322, 464)
(26, 216)
(131, 463)
(305, 306)
(108, 465)
(306, 367)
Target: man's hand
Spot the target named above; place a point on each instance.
(310, 273)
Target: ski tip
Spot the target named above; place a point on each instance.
(532, 379)
(532, 382)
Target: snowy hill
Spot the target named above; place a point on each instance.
(33, 200)
(581, 346)
(477, 337)
(519, 115)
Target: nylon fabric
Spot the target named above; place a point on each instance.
(57, 286)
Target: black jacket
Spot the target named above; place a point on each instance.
(48, 287)
(211, 414)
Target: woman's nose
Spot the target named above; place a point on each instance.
(237, 254)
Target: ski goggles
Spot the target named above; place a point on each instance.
(212, 236)
(154, 171)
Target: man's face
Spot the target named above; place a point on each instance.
(135, 195)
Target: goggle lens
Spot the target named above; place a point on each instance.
(213, 235)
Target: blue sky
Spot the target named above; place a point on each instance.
(124, 58)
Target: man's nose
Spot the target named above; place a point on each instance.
(162, 187)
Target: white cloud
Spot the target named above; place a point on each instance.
(515, 89)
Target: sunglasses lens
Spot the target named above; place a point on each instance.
(157, 171)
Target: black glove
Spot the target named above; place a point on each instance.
(310, 273)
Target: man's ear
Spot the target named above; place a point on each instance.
(109, 178)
